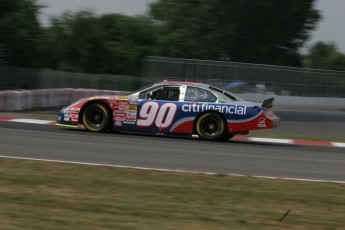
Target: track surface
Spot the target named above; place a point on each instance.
(234, 157)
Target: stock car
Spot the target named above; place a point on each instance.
(172, 107)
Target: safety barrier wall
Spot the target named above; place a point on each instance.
(16, 100)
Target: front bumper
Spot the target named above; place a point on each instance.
(67, 118)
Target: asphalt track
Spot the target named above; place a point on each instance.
(173, 153)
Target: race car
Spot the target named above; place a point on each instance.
(172, 107)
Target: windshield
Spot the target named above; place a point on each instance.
(228, 94)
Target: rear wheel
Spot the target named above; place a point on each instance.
(211, 126)
(96, 117)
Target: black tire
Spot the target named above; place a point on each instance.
(229, 136)
(211, 126)
(97, 117)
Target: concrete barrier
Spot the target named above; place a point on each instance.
(16, 100)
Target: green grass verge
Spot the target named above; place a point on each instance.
(47, 195)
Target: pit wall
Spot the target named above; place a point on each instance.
(17, 100)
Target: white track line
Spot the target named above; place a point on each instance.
(169, 170)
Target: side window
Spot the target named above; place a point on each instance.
(164, 93)
(198, 94)
(171, 93)
(145, 94)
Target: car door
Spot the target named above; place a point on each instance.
(153, 111)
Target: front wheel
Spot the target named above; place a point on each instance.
(229, 136)
(96, 117)
(211, 126)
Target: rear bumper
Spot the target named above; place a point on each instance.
(274, 119)
(265, 120)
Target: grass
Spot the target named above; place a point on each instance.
(47, 195)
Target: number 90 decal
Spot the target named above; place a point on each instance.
(151, 112)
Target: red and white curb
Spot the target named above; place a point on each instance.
(290, 141)
(31, 121)
(236, 138)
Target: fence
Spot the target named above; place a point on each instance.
(275, 79)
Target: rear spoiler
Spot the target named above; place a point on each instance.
(268, 103)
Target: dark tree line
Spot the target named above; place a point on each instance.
(266, 31)
(324, 55)
(20, 32)
(110, 43)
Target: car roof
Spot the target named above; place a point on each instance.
(190, 83)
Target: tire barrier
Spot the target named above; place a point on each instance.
(16, 100)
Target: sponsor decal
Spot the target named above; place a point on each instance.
(67, 115)
(112, 99)
(122, 97)
(262, 122)
(132, 107)
(74, 116)
(133, 112)
(122, 105)
(129, 122)
(75, 109)
(131, 118)
(118, 123)
(131, 115)
(119, 116)
(132, 100)
(230, 109)
(118, 102)
(151, 113)
(222, 99)
(113, 105)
